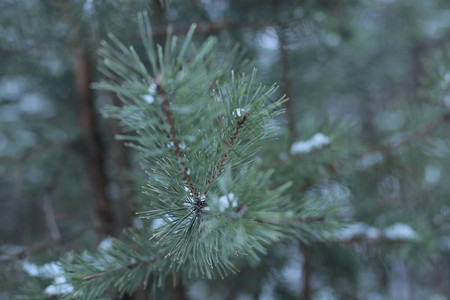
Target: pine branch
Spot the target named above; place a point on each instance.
(409, 137)
(219, 165)
(292, 220)
(128, 267)
(165, 107)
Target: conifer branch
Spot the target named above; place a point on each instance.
(44, 245)
(301, 220)
(409, 137)
(227, 154)
(131, 266)
(165, 107)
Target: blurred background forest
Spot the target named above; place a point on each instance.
(373, 75)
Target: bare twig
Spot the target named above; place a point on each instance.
(227, 154)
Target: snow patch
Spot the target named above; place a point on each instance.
(358, 229)
(268, 39)
(60, 284)
(59, 287)
(181, 145)
(150, 96)
(226, 200)
(157, 223)
(432, 174)
(239, 112)
(48, 270)
(317, 141)
(105, 244)
(370, 159)
(400, 231)
(30, 268)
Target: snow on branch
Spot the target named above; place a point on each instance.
(59, 286)
(317, 141)
(361, 232)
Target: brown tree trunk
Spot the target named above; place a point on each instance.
(93, 147)
(287, 86)
(286, 76)
(306, 270)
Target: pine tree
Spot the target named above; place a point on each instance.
(198, 120)
(241, 192)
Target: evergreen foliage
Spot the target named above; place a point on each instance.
(198, 127)
(227, 189)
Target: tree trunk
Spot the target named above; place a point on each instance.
(93, 147)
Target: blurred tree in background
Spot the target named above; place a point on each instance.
(366, 124)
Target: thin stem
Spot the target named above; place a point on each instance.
(287, 220)
(221, 162)
(131, 266)
(165, 107)
(306, 270)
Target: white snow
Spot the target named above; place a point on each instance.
(432, 174)
(268, 39)
(88, 7)
(59, 286)
(373, 233)
(150, 97)
(226, 200)
(239, 112)
(157, 223)
(400, 231)
(49, 270)
(105, 244)
(317, 141)
(358, 229)
(370, 159)
(181, 145)
(30, 268)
